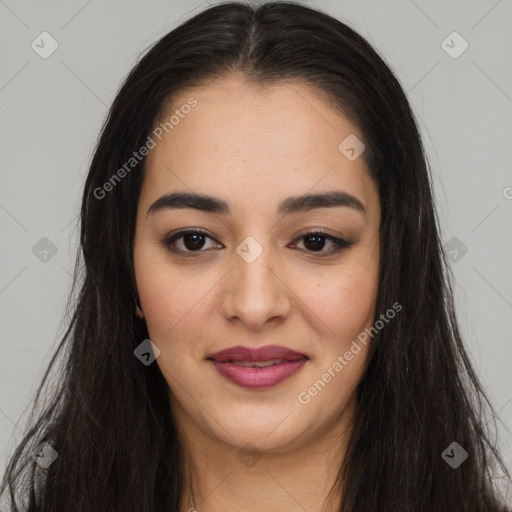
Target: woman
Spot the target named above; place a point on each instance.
(264, 320)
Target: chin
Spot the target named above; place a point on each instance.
(250, 436)
(267, 428)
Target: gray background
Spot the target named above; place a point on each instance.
(51, 111)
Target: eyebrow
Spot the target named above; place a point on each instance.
(210, 204)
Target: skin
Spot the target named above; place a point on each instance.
(254, 147)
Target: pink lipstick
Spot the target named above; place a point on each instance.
(257, 368)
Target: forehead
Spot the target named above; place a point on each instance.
(261, 142)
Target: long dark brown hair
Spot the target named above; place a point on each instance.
(108, 416)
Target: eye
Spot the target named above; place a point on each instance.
(190, 240)
(187, 242)
(315, 242)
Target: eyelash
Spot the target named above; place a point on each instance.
(169, 241)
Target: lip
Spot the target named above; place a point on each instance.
(257, 377)
(265, 353)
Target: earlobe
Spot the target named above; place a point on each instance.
(138, 312)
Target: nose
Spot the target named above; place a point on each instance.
(256, 293)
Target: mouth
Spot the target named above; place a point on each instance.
(258, 368)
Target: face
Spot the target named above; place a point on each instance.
(263, 266)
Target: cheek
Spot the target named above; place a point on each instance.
(176, 313)
(346, 307)
(170, 302)
(177, 302)
(342, 301)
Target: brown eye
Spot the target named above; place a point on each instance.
(316, 241)
(193, 241)
(188, 241)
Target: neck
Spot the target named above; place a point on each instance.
(220, 477)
